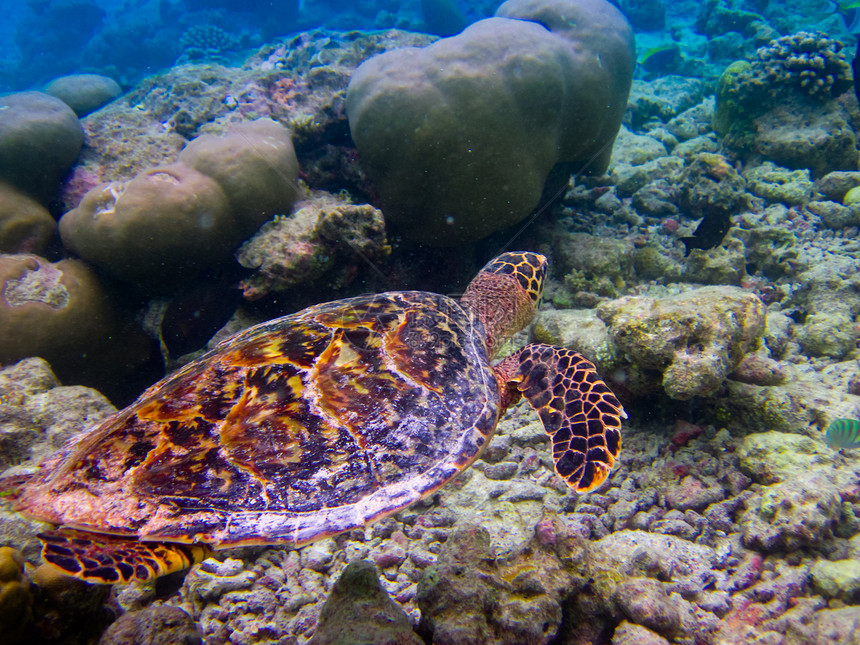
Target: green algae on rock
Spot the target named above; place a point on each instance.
(837, 579)
(693, 339)
(771, 457)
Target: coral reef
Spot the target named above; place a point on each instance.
(40, 137)
(166, 225)
(445, 175)
(206, 42)
(158, 229)
(16, 600)
(58, 311)
(692, 340)
(25, 225)
(255, 164)
(84, 93)
(323, 239)
(782, 106)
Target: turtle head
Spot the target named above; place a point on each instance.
(505, 295)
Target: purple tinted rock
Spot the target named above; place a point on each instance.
(358, 610)
(691, 493)
(500, 471)
(644, 602)
(628, 633)
(160, 625)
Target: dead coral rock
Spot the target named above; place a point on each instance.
(37, 415)
(360, 611)
(645, 602)
(629, 633)
(160, 625)
(756, 369)
(802, 511)
(693, 339)
(325, 238)
(469, 596)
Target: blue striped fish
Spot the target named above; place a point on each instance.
(843, 433)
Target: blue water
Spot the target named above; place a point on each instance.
(43, 39)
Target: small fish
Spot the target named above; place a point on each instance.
(849, 12)
(662, 58)
(710, 231)
(843, 433)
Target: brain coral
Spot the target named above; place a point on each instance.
(459, 137)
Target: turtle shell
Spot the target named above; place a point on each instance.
(298, 428)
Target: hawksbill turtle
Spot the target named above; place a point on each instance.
(317, 423)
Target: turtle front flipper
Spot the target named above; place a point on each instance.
(577, 409)
(108, 559)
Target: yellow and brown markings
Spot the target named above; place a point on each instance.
(287, 430)
(110, 559)
(577, 409)
(528, 268)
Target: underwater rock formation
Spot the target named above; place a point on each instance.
(40, 414)
(783, 106)
(158, 625)
(459, 137)
(692, 340)
(359, 611)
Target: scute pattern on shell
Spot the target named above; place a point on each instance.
(301, 427)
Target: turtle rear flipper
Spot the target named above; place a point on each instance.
(577, 409)
(108, 559)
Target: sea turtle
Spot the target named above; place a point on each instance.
(317, 423)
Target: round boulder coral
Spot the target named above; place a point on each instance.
(157, 230)
(459, 137)
(40, 138)
(256, 166)
(57, 311)
(25, 225)
(84, 93)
